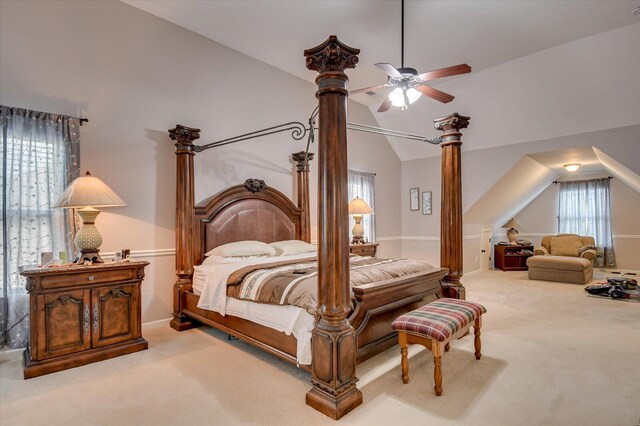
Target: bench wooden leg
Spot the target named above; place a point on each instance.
(476, 331)
(446, 347)
(436, 349)
(402, 340)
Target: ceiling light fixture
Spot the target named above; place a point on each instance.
(406, 85)
(403, 97)
(572, 167)
(635, 10)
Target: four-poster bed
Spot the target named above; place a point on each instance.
(344, 334)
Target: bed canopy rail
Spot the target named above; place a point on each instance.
(299, 131)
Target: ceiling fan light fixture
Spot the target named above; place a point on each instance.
(413, 95)
(572, 167)
(397, 96)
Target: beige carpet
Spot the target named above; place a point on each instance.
(551, 356)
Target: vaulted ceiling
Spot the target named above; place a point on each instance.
(541, 69)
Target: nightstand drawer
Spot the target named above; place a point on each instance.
(367, 249)
(84, 278)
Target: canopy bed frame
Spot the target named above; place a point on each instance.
(343, 335)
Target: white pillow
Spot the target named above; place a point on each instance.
(284, 248)
(243, 248)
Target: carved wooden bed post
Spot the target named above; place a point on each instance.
(334, 348)
(185, 220)
(451, 201)
(302, 164)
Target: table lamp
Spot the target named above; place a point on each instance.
(86, 193)
(512, 232)
(358, 208)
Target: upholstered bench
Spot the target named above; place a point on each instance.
(577, 270)
(434, 326)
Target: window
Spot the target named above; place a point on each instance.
(362, 185)
(39, 158)
(584, 209)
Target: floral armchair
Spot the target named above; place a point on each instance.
(568, 245)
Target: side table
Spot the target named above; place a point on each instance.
(512, 258)
(82, 314)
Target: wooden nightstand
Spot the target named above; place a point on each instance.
(82, 314)
(368, 249)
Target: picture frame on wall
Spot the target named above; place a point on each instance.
(426, 202)
(414, 199)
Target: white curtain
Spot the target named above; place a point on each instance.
(40, 157)
(362, 185)
(585, 210)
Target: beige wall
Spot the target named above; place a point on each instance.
(135, 76)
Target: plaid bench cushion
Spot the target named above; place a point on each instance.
(440, 319)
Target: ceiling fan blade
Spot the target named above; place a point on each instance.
(435, 94)
(366, 89)
(385, 105)
(389, 70)
(445, 72)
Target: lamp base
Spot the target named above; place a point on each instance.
(512, 236)
(91, 255)
(357, 240)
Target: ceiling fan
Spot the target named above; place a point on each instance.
(408, 85)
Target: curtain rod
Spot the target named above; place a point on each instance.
(13, 110)
(581, 180)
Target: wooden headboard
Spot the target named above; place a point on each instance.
(251, 211)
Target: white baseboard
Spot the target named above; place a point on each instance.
(157, 322)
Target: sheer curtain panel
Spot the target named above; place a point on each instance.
(40, 157)
(584, 209)
(362, 185)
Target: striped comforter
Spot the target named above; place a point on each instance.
(295, 282)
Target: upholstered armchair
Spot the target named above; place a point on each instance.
(567, 245)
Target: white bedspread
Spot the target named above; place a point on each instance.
(210, 281)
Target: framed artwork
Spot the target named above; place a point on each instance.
(414, 199)
(426, 202)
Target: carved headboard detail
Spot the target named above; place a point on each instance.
(255, 185)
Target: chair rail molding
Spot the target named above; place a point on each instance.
(144, 253)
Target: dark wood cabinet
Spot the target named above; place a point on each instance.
(367, 249)
(512, 258)
(82, 314)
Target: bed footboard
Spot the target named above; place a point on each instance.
(376, 306)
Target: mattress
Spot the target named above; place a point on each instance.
(288, 319)
(287, 281)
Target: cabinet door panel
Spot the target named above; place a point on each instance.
(63, 323)
(114, 313)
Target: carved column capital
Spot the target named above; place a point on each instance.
(302, 159)
(332, 55)
(184, 137)
(452, 123)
